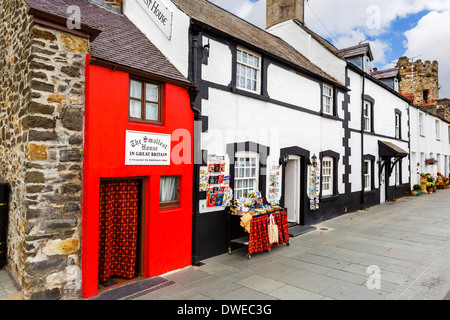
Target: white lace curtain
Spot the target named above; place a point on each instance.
(168, 189)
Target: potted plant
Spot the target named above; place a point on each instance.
(430, 187)
(423, 183)
(417, 190)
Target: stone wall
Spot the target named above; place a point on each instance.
(444, 105)
(15, 97)
(417, 77)
(43, 131)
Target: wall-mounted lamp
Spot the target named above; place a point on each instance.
(206, 48)
(283, 160)
(314, 160)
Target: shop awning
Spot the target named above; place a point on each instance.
(390, 150)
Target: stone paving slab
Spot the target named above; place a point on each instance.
(407, 240)
(8, 289)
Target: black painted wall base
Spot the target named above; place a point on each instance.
(211, 230)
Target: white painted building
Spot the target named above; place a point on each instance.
(430, 138)
(279, 97)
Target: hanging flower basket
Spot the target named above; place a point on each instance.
(430, 161)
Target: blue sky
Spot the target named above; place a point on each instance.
(412, 28)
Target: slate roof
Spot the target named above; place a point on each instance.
(325, 43)
(385, 74)
(219, 19)
(119, 42)
(389, 149)
(357, 50)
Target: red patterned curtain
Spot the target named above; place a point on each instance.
(118, 228)
(259, 235)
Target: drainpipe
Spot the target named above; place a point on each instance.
(362, 139)
(196, 148)
(194, 91)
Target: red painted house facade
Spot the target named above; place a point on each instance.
(137, 161)
(163, 232)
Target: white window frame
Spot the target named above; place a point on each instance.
(397, 174)
(397, 125)
(368, 117)
(327, 176)
(421, 124)
(244, 173)
(438, 158)
(422, 162)
(438, 129)
(245, 66)
(367, 65)
(449, 134)
(368, 175)
(327, 99)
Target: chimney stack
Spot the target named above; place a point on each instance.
(278, 11)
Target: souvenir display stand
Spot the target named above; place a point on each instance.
(257, 234)
(215, 181)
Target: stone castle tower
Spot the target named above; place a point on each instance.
(419, 81)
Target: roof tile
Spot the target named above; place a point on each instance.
(120, 41)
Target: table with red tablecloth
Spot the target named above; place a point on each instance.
(258, 239)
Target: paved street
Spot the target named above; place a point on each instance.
(407, 241)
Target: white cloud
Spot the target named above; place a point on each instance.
(429, 39)
(344, 16)
(251, 11)
(349, 22)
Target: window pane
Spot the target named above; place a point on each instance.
(239, 55)
(169, 189)
(135, 109)
(249, 73)
(242, 82)
(151, 111)
(136, 89)
(238, 72)
(152, 92)
(250, 60)
(244, 57)
(256, 60)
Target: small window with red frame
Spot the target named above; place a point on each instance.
(145, 102)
